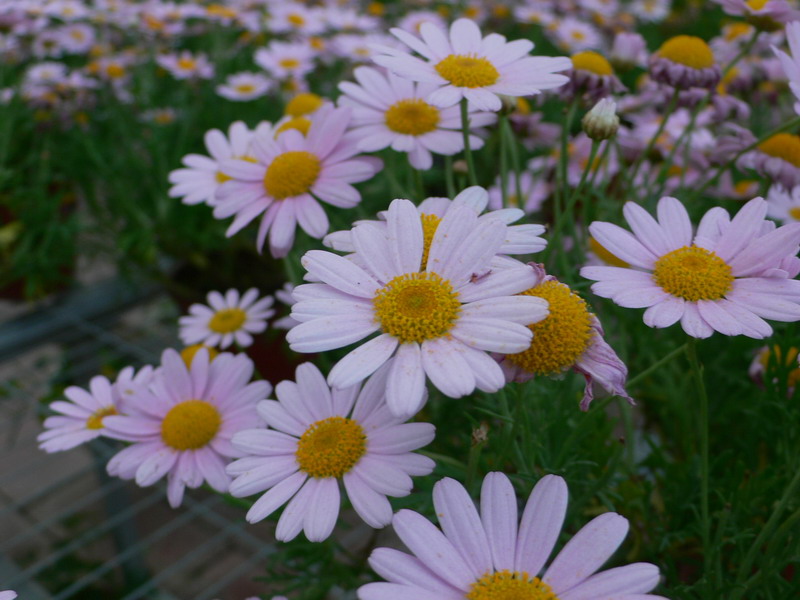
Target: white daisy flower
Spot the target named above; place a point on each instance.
(784, 204)
(244, 86)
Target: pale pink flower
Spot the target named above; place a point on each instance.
(784, 204)
(244, 86)
(286, 60)
(186, 65)
(226, 320)
(767, 15)
(791, 62)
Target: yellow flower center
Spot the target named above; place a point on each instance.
(190, 425)
(523, 106)
(227, 320)
(222, 177)
(689, 51)
(606, 256)
(187, 63)
(592, 62)
(412, 117)
(737, 30)
(745, 187)
(376, 9)
(783, 145)
(115, 71)
(96, 420)
(188, 353)
(794, 212)
(245, 88)
(301, 124)
(756, 4)
(416, 307)
(429, 225)
(562, 337)
(578, 35)
(510, 585)
(775, 355)
(303, 104)
(467, 71)
(693, 273)
(296, 20)
(331, 447)
(291, 174)
(289, 63)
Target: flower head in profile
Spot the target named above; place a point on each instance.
(464, 64)
(318, 437)
(244, 86)
(435, 302)
(728, 276)
(685, 61)
(791, 62)
(784, 205)
(489, 554)
(227, 319)
(570, 337)
(181, 423)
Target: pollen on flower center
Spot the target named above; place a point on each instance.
(291, 174)
(467, 71)
(296, 20)
(562, 337)
(331, 447)
(190, 425)
(245, 88)
(689, 51)
(227, 320)
(429, 225)
(289, 63)
(510, 585)
(412, 117)
(592, 62)
(794, 212)
(188, 353)
(783, 145)
(415, 307)
(96, 420)
(693, 273)
(303, 104)
(301, 124)
(187, 63)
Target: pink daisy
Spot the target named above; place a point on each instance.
(768, 15)
(437, 305)
(784, 204)
(228, 319)
(186, 65)
(728, 277)
(492, 555)
(181, 424)
(468, 65)
(318, 437)
(791, 63)
(290, 174)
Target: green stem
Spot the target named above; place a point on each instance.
(448, 177)
(563, 160)
(656, 365)
(472, 463)
(652, 142)
(473, 178)
(506, 131)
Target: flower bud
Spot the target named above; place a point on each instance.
(602, 122)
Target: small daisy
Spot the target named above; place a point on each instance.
(490, 554)
(777, 157)
(791, 63)
(573, 35)
(628, 50)
(535, 190)
(227, 319)
(593, 76)
(653, 11)
(570, 337)
(784, 205)
(290, 174)
(391, 111)
(186, 65)
(767, 15)
(412, 22)
(728, 277)
(286, 60)
(467, 65)
(241, 87)
(359, 47)
(181, 424)
(438, 313)
(293, 17)
(685, 61)
(318, 437)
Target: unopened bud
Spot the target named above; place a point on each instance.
(602, 122)
(460, 166)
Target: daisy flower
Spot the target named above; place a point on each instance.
(728, 277)
(573, 35)
(685, 61)
(186, 65)
(289, 175)
(784, 205)
(391, 111)
(318, 437)
(790, 64)
(413, 21)
(491, 555)
(293, 17)
(244, 86)
(777, 157)
(227, 319)
(767, 15)
(628, 50)
(286, 60)
(535, 190)
(467, 65)
(570, 337)
(593, 76)
(438, 312)
(181, 424)
(8, 595)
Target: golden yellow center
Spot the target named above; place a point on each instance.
(412, 117)
(745, 187)
(227, 320)
(96, 420)
(592, 62)
(301, 124)
(606, 256)
(331, 447)
(186, 63)
(291, 174)
(376, 9)
(245, 88)
(562, 337)
(190, 425)
(416, 307)
(689, 51)
(467, 71)
(289, 63)
(296, 20)
(794, 212)
(578, 35)
(188, 353)
(783, 145)
(429, 225)
(756, 4)
(303, 104)
(693, 273)
(737, 30)
(115, 71)
(510, 585)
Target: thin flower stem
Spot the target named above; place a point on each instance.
(563, 159)
(652, 142)
(743, 52)
(448, 177)
(472, 463)
(656, 365)
(473, 178)
(506, 131)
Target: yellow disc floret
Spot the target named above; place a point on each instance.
(467, 71)
(190, 425)
(416, 307)
(562, 337)
(188, 353)
(331, 447)
(187, 63)
(412, 117)
(592, 62)
(689, 51)
(693, 273)
(291, 174)
(96, 420)
(510, 585)
(301, 124)
(227, 320)
(289, 63)
(794, 212)
(303, 104)
(783, 145)
(429, 225)
(606, 256)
